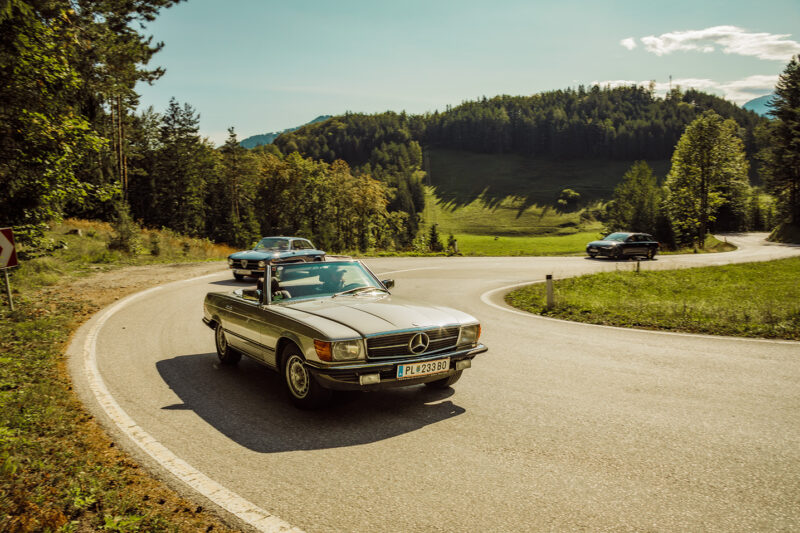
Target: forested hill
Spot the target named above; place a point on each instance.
(623, 123)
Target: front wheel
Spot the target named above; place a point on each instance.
(445, 382)
(238, 277)
(304, 391)
(651, 253)
(226, 354)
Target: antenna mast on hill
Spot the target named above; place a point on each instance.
(670, 83)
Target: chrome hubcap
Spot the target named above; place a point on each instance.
(297, 376)
(221, 343)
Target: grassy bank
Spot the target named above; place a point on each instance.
(507, 217)
(58, 469)
(750, 300)
(486, 245)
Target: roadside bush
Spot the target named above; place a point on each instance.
(127, 234)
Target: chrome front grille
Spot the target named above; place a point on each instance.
(245, 264)
(397, 344)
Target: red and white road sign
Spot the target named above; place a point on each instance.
(8, 253)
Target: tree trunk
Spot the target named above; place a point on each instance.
(123, 156)
(703, 210)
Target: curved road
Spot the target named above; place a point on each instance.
(560, 426)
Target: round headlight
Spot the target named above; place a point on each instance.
(346, 350)
(262, 264)
(230, 262)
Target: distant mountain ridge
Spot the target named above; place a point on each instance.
(760, 105)
(269, 138)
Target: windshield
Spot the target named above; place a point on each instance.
(320, 280)
(272, 243)
(618, 237)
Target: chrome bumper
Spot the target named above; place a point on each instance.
(347, 377)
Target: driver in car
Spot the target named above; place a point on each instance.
(335, 280)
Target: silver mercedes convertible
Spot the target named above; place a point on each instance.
(335, 326)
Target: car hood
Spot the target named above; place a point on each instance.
(255, 255)
(370, 315)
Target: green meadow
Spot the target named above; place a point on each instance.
(506, 204)
(463, 177)
(749, 300)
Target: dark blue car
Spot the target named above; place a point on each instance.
(271, 250)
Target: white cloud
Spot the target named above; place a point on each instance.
(737, 91)
(732, 39)
(629, 43)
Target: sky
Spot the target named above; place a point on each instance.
(261, 65)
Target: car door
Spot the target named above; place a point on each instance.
(267, 325)
(244, 324)
(629, 246)
(639, 246)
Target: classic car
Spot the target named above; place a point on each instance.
(622, 245)
(272, 250)
(334, 325)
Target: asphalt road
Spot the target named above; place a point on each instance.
(560, 426)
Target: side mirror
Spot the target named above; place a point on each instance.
(388, 283)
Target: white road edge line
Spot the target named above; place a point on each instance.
(230, 501)
(485, 298)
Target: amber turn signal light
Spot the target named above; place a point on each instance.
(323, 349)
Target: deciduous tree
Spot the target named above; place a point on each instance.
(708, 160)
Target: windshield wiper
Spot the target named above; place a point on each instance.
(359, 289)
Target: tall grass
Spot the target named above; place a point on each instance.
(79, 247)
(752, 299)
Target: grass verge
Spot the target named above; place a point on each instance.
(58, 469)
(748, 300)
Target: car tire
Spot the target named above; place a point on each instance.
(619, 255)
(445, 382)
(227, 355)
(593, 255)
(303, 389)
(651, 254)
(238, 277)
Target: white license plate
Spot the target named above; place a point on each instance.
(240, 271)
(414, 370)
(592, 249)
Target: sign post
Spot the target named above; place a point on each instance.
(8, 258)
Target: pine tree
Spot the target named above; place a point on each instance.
(782, 157)
(183, 163)
(434, 241)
